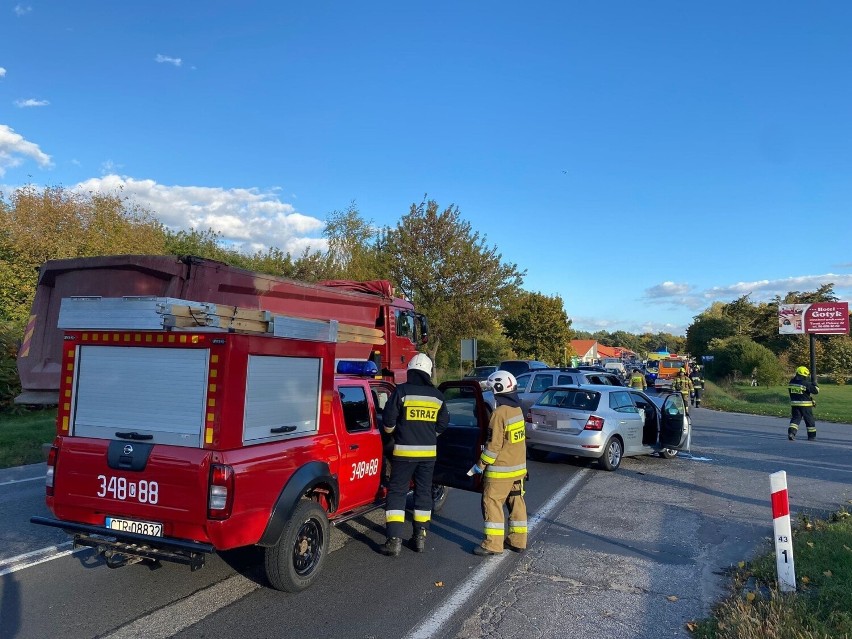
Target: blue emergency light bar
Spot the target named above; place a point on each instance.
(366, 368)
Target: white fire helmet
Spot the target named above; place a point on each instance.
(502, 382)
(421, 362)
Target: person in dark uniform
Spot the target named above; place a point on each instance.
(697, 385)
(414, 415)
(801, 389)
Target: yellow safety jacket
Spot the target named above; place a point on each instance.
(637, 380)
(505, 453)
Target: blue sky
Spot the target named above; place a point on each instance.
(640, 159)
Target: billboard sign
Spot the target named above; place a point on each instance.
(822, 318)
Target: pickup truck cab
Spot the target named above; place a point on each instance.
(172, 445)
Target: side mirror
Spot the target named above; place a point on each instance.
(424, 328)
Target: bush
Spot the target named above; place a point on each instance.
(10, 384)
(737, 357)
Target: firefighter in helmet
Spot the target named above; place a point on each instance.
(801, 388)
(697, 385)
(504, 465)
(683, 385)
(415, 414)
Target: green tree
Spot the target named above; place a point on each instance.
(736, 357)
(837, 360)
(354, 246)
(538, 327)
(37, 225)
(449, 272)
(704, 330)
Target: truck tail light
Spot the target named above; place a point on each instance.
(594, 423)
(221, 496)
(52, 458)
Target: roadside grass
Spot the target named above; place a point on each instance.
(820, 608)
(833, 404)
(21, 436)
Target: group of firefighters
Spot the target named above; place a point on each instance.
(416, 414)
(691, 386)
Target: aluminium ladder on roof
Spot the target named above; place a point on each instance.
(165, 313)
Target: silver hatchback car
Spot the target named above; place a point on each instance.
(606, 423)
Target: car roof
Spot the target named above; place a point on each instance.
(594, 387)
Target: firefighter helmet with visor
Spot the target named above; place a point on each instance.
(502, 382)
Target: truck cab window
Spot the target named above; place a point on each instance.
(404, 324)
(356, 413)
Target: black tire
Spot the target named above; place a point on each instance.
(295, 561)
(537, 454)
(613, 452)
(439, 497)
(668, 453)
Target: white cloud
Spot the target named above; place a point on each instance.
(763, 290)
(168, 60)
(14, 149)
(2, 72)
(109, 167)
(679, 295)
(23, 104)
(22, 10)
(667, 289)
(248, 219)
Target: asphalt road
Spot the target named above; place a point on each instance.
(609, 552)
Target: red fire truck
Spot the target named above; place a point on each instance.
(366, 304)
(173, 444)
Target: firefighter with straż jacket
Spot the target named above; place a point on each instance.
(697, 386)
(801, 403)
(415, 415)
(504, 465)
(683, 385)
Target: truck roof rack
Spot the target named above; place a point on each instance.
(172, 314)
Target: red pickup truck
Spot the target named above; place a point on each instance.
(172, 445)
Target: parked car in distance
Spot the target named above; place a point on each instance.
(481, 373)
(520, 366)
(606, 423)
(531, 385)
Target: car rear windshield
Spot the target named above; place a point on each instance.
(577, 399)
(516, 368)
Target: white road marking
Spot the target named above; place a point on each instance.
(170, 620)
(432, 626)
(19, 481)
(36, 557)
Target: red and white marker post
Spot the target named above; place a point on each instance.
(783, 533)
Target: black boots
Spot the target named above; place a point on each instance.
(392, 547)
(791, 434)
(418, 540)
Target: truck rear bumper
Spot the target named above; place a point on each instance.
(110, 543)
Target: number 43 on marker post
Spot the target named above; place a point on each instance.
(783, 533)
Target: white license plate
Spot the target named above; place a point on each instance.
(132, 526)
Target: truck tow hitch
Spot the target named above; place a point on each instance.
(115, 559)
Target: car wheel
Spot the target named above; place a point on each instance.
(536, 454)
(439, 497)
(668, 453)
(295, 561)
(613, 451)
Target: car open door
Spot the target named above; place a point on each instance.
(674, 424)
(460, 445)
